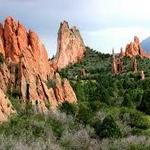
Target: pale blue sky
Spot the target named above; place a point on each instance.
(104, 24)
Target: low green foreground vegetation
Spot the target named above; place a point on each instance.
(113, 112)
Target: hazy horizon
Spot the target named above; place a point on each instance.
(103, 24)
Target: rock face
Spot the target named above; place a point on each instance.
(135, 49)
(27, 69)
(1, 40)
(6, 109)
(70, 48)
(117, 64)
(142, 75)
(134, 65)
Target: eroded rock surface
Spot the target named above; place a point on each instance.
(6, 109)
(27, 68)
(70, 48)
(134, 49)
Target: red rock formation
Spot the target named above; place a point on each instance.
(117, 64)
(122, 54)
(27, 67)
(6, 109)
(4, 77)
(68, 92)
(135, 49)
(70, 48)
(134, 65)
(142, 75)
(1, 40)
(63, 90)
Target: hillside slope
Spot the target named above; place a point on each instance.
(112, 111)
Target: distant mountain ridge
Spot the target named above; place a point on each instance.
(146, 44)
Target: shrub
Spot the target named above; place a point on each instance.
(134, 118)
(80, 139)
(96, 105)
(145, 103)
(127, 102)
(14, 92)
(51, 84)
(85, 113)
(107, 128)
(79, 88)
(1, 58)
(48, 104)
(128, 143)
(17, 104)
(69, 108)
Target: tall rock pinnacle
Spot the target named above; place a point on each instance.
(135, 49)
(70, 46)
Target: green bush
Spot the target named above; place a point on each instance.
(85, 113)
(107, 128)
(69, 108)
(134, 118)
(127, 102)
(51, 84)
(1, 58)
(14, 92)
(145, 103)
(96, 105)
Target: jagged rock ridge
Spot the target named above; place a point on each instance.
(70, 46)
(27, 69)
(135, 49)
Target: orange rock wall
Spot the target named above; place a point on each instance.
(27, 67)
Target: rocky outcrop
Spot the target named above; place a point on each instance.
(6, 109)
(70, 46)
(68, 91)
(63, 90)
(1, 40)
(27, 68)
(142, 75)
(4, 77)
(121, 54)
(134, 65)
(117, 63)
(135, 49)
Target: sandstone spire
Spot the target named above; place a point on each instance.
(142, 75)
(121, 52)
(135, 49)
(70, 46)
(114, 66)
(117, 64)
(134, 64)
